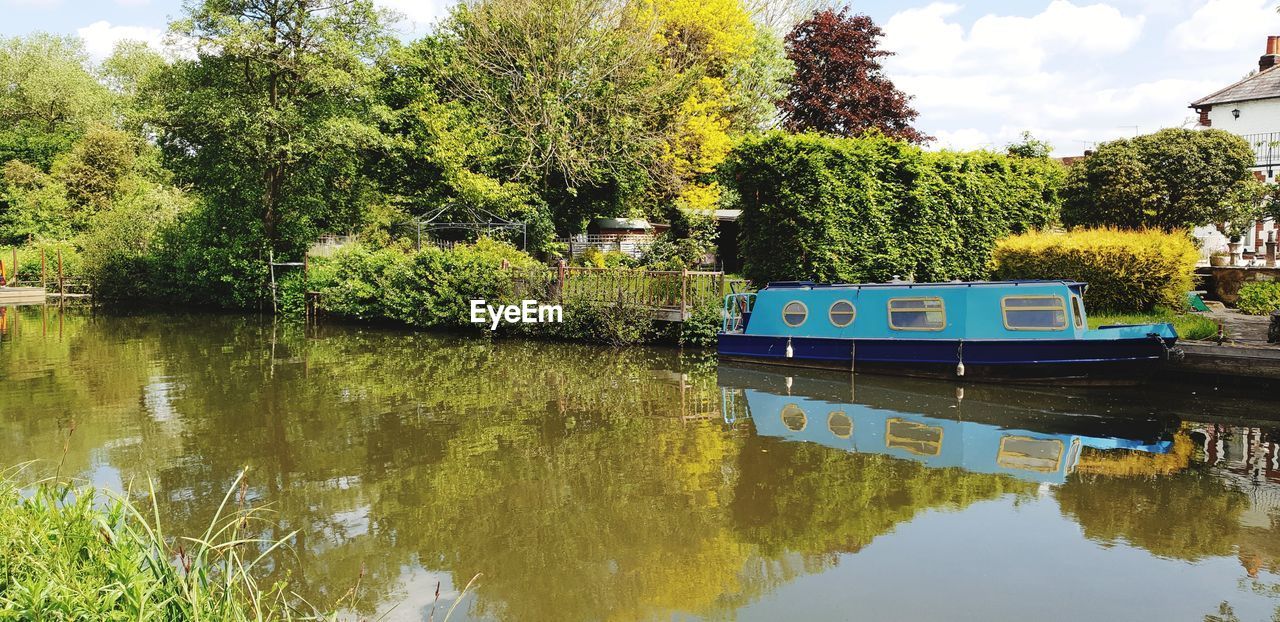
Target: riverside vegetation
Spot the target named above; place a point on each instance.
(174, 177)
(75, 552)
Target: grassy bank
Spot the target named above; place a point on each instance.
(78, 553)
(75, 553)
(1189, 325)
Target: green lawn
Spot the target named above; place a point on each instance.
(1188, 325)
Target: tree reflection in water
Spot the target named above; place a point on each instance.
(585, 483)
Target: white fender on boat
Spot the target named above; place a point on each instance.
(790, 351)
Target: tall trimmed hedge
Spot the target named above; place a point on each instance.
(1125, 270)
(867, 209)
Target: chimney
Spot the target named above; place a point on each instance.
(1272, 57)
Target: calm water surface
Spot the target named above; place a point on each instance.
(593, 484)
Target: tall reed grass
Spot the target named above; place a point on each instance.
(77, 553)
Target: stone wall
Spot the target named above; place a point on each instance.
(1224, 283)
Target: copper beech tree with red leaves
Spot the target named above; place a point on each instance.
(838, 87)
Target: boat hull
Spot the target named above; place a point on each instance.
(1073, 361)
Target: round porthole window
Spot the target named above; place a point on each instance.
(840, 424)
(794, 418)
(795, 313)
(842, 313)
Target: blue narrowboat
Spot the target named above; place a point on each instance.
(1028, 331)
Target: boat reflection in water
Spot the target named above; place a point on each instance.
(999, 430)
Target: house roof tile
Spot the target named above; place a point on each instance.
(1261, 85)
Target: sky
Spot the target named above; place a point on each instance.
(1073, 72)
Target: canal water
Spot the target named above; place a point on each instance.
(584, 483)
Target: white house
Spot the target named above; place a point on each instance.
(1249, 108)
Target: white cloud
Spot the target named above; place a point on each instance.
(1226, 25)
(924, 38)
(40, 4)
(132, 3)
(420, 15)
(982, 85)
(101, 37)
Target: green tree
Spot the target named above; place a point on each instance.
(1029, 147)
(438, 152)
(35, 205)
(268, 121)
(127, 72)
(92, 171)
(571, 93)
(47, 97)
(1172, 179)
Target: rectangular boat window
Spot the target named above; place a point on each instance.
(1076, 311)
(917, 314)
(1030, 454)
(917, 438)
(1034, 312)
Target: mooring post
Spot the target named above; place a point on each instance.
(15, 263)
(560, 283)
(684, 291)
(43, 280)
(271, 263)
(62, 287)
(306, 287)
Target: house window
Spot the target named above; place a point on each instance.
(1030, 454)
(840, 424)
(1034, 312)
(794, 418)
(795, 313)
(917, 314)
(1076, 311)
(842, 313)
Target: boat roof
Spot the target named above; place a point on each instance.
(910, 285)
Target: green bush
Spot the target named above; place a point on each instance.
(866, 209)
(700, 330)
(1259, 298)
(429, 288)
(29, 261)
(616, 324)
(1125, 270)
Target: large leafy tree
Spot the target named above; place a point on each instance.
(48, 97)
(839, 86)
(438, 154)
(569, 91)
(732, 71)
(1172, 179)
(270, 118)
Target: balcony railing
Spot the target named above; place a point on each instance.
(1266, 148)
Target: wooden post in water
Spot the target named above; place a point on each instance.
(15, 263)
(306, 289)
(271, 262)
(43, 279)
(62, 288)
